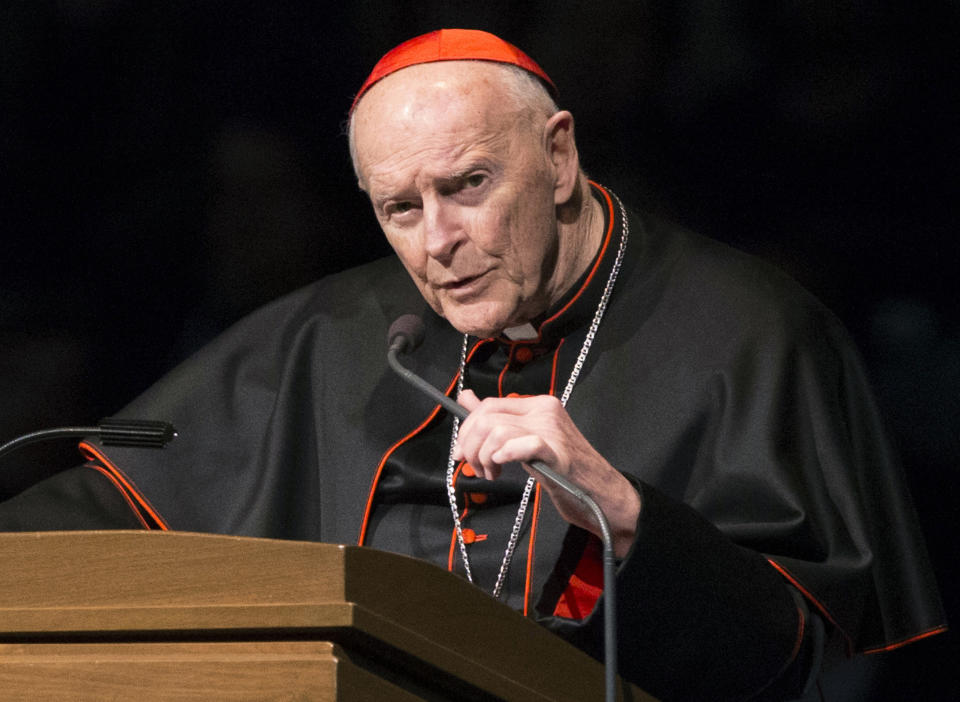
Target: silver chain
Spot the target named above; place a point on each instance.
(571, 381)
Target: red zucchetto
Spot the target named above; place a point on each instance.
(452, 45)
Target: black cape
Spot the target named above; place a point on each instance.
(735, 402)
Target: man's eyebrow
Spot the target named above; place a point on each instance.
(466, 170)
(451, 178)
(379, 196)
(460, 173)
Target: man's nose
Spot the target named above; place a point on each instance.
(443, 229)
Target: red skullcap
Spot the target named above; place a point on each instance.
(452, 45)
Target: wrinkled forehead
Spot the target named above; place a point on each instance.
(444, 105)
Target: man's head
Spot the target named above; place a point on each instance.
(470, 168)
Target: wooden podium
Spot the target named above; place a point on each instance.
(119, 615)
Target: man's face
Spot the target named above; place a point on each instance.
(463, 189)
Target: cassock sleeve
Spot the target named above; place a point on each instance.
(778, 512)
(690, 600)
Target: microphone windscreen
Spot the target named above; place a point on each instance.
(410, 328)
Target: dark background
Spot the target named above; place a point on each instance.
(170, 166)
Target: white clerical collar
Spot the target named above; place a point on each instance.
(525, 332)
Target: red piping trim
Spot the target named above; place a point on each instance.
(452, 555)
(826, 613)
(504, 371)
(531, 546)
(94, 454)
(816, 603)
(806, 593)
(531, 551)
(452, 551)
(903, 642)
(797, 646)
(596, 264)
(553, 369)
(376, 478)
(116, 484)
(801, 628)
(383, 461)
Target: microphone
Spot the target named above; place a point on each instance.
(406, 332)
(142, 433)
(404, 336)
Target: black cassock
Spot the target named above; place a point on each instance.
(731, 398)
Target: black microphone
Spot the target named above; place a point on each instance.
(407, 331)
(142, 433)
(405, 335)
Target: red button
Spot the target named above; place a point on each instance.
(469, 536)
(478, 498)
(523, 354)
(468, 470)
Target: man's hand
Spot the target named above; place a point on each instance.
(523, 429)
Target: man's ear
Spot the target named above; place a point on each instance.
(562, 152)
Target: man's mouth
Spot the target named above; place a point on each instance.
(465, 284)
(460, 282)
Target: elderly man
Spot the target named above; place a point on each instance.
(713, 409)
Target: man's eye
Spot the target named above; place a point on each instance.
(401, 207)
(475, 180)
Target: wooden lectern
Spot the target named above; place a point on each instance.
(117, 615)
